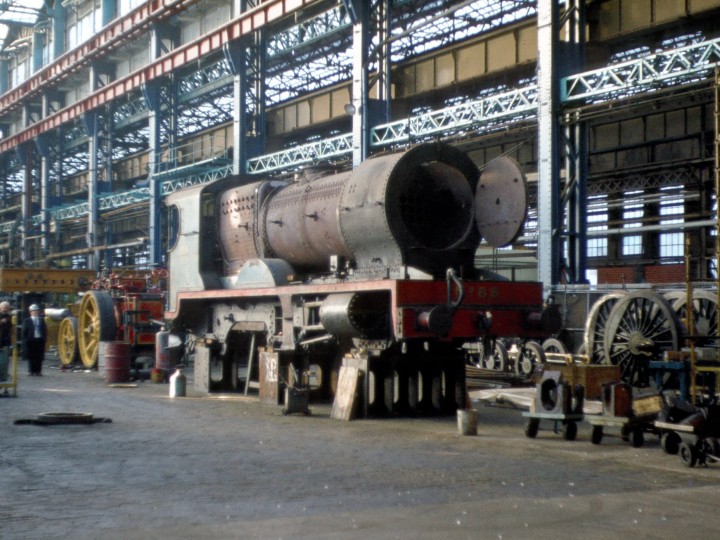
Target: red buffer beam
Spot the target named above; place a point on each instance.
(247, 23)
(113, 35)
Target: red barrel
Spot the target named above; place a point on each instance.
(116, 356)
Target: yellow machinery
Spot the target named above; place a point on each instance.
(48, 285)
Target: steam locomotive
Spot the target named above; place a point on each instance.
(281, 283)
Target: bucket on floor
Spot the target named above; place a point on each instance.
(177, 383)
(116, 361)
(467, 421)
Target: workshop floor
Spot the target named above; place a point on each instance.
(207, 467)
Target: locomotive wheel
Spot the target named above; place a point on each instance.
(552, 345)
(67, 341)
(96, 323)
(705, 310)
(498, 359)
(529, 356)
(640, 327)
(594, 337)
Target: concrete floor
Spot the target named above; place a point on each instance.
(206, 467)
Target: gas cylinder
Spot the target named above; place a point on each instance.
(177, 383)
(162, 359)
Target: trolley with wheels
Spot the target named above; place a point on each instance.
(557, 401)
(566, 424)
(695, 438)
(632, 415)
(631, 428)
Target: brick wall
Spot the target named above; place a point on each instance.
(665, 273)
(659, 273)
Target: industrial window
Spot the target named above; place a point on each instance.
(126, 6)
(672, 210)
(531, 229)
(597, 218)
(633, 212)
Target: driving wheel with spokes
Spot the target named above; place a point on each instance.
(497, 358)
(639, 328)
(705, 313)
(67, 341)
(594, 337)
(96, 323)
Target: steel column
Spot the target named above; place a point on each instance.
(246, 57)
(151, 93)
(360, 16)
(90, 121)
(574, 200)
(24, 154)
(549, 251)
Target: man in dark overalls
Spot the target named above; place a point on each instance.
(34, 334)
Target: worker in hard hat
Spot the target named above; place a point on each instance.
(34, 335)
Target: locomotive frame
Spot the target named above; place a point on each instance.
(372, 268)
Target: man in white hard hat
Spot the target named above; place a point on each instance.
(34, 334)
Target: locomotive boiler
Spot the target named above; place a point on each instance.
(372, 268)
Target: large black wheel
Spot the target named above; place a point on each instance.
(688, 454)
(597, 435)
(531, 427)
(641, 326)
(569, 430)
(670, 442)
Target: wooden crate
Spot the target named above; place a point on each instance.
(591, 376)
(647, 405)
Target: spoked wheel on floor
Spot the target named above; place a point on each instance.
(595, 326)
(705, 313)
(641, 326)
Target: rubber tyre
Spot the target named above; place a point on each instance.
(597, 435)
(638, 438)
(670, 442)
(569, 431)
(688, 455)
(532, 426)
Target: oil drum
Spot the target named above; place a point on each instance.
(115, 357)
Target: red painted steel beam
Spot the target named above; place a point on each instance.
(247, 23)
(112, 36)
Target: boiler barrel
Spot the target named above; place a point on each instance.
(410, 208)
